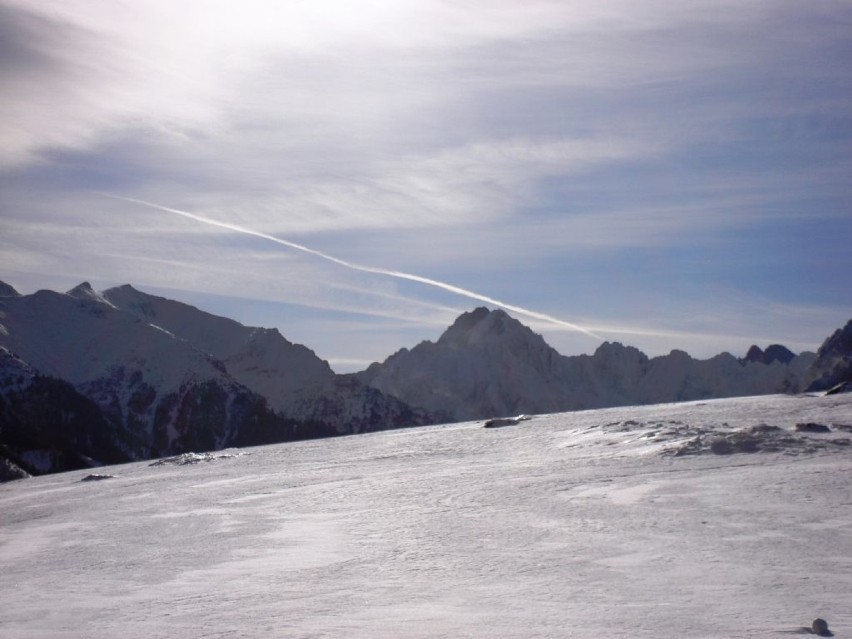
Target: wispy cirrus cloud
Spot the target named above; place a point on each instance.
(567, 156)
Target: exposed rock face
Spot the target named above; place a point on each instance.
(833, 365)
(811, 427)
(487, 363)
(46, 425)
(9, 471)
(820, 628)
(773, 353)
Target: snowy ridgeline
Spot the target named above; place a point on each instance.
(726, 518)
(91, 378)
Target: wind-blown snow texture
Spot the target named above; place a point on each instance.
(586, 524)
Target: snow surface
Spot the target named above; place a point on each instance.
(569, 525)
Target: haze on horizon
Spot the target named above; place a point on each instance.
(668, 175)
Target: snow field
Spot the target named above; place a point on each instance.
(565, 525)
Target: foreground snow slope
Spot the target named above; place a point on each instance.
(565, 525)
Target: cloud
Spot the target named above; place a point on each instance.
(445, 286)
(376, 71)
(567, 156)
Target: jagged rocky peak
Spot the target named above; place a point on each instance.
(7, 290)
(479, 324)
(83, 289)
(839, 344)
(754, 354)
(613, 350)
(464, 323)
(773, 353)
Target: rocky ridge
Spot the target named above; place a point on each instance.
(488, 364)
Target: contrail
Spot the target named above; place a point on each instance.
(359, 267)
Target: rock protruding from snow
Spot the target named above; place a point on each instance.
(819, 627)
(812, 427)
(188, 459)
(97, 477)
(499, 422)
(9, 471)
(762, 438)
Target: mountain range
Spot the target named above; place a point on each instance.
(89, 378)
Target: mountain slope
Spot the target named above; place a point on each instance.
(46, 424)
(294, 381)
(158, 393)
(486, 363)
(168, 378)
(261, 359)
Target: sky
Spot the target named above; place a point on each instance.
(665, 174)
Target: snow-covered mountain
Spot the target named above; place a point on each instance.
(488, 363)
(165, 378)
(700, 520)
(258, 358)
(90, 377)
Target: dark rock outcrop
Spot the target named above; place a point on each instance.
(812, 427)
(773, 353)
(833, 365)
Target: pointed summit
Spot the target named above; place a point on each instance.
(486, 363)
(754, 354)
(464, 324)
(481, 325)
(84, 291)
(773, 353)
